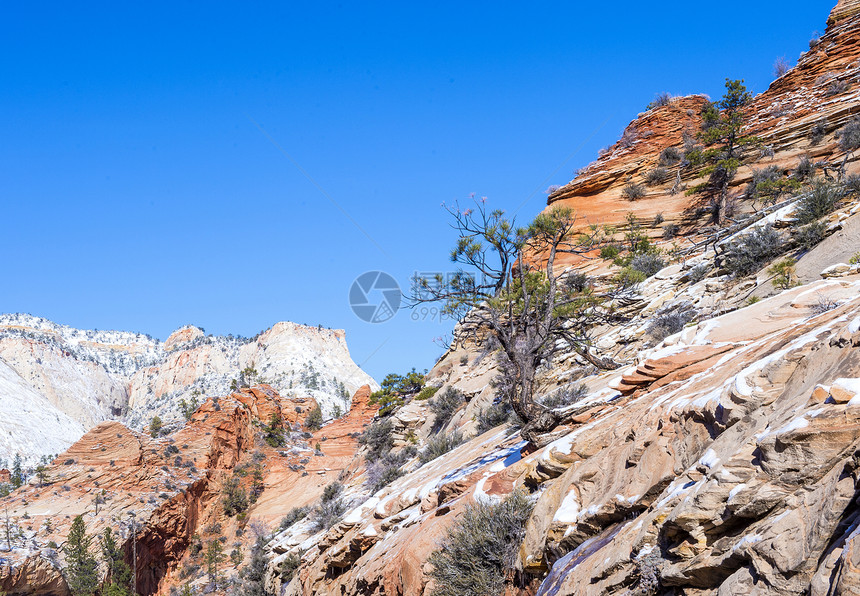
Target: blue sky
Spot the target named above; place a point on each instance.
(189, 163)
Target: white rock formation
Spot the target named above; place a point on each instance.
(81, 377)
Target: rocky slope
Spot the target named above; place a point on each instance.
(85, 377)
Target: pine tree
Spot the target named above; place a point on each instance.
(119, 573)
(81, 566)
(213, 559)
(17, 472)
(722, 135)
(255, 573)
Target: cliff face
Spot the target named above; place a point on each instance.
(165, 495)
(85, 377)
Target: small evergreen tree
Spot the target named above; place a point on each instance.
(722, 135)
(315, 419)
(81, 567)
(17, 472)
(255, 573)
(118, 581)
(213, 558)
(155, 426)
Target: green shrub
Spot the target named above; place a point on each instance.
(628, 277)
(440, 444)
(293, 516)
(155, 426)
(699, 272)
(480, 549)
(820, 200)
(783, 273)
(855, 260)
(633, 191)
(444, 406)
(426, 393)
(805, 168)
(273, 433)
(609, 251)
(750, 252)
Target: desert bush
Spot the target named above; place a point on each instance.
(564, 396)
(330, 508)
(750, 252)
(658, 175)
(633, 191)
(851, 184)
(818, 131)
(444, 405)
(388, 468)
(480, 549)
(658, 219)
(836, 87)
(805, 168)
(628, 277)
(818, 201)
(823, 304)
(439, 445)
(769, 185)
(576, 281)
(669, 321)
(648, 263)
(781, 66)
(849, 135)
(661, 99)
(810, 235)
(854, 260)
(377, 438)
(783, 273)
(699, 272)
(670, 231)
(294, 515)
(492, 416)
(670, 156)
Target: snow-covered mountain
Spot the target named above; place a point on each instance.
(57, 381)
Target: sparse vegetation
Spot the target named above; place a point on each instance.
(656, 176)
(810, 235)
(823, 304)
(330, 508)
(821, 198)
(293, 516)
(377, 438)
(273, 433)
(648, 263)
(479, 551)
(564, 396)
(662, 99)
(750, 252)
(426, 393)
(290, 565)
(781, 66)
(818, 132)
(783, 272)
(494, 415)
(849, 135)
(670, 231)
(439, 445)
(670, 156)
(633, 191)
(444, 406)
(836, 87)
(670, 321)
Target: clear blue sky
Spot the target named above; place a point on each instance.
(138, 193)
